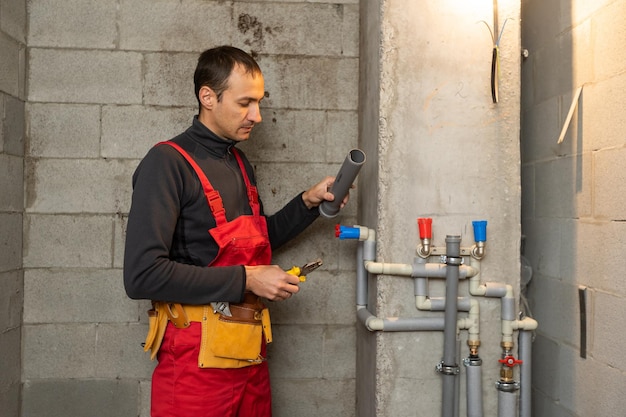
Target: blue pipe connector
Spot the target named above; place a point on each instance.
(480, 230)
(346, 232)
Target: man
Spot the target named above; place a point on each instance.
(199, 245)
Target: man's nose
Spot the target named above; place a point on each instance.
(255, 113)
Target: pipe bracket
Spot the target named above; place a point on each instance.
(454, 260)
(447, 369)
(507, 386)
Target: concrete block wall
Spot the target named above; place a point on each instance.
(12, 123)
(106, 80)
(574, 203)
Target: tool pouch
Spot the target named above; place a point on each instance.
(157, 321)
(234, 341)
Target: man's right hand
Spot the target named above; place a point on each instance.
(271, 282)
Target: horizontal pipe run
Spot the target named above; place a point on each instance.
(430, 270)
(394, 324)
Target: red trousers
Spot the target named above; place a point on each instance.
(181, 389)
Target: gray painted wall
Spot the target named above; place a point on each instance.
(12, 87)
(574, 202)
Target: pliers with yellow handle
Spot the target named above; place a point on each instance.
(302, 271)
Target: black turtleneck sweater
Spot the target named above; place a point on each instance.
(168, 246)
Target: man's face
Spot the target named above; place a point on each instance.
(236, 113)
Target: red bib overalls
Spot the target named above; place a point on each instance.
(179, 387)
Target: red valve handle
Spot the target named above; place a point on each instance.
(510, 361)
(425, 227)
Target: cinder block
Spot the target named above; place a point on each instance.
(145, 391)
(564, 185)
(13, 19)
(13, 126)
(10, 241)
(541, 126)
(59, 351)
(608, 314)
(173, 26)
(63, 130)
(584, 389)
(119, 352)
(608, 57)
(550, 62)
(546, 375)
(297, 28)
(610, 184)
(602, 116)
(12, 298)
(593, 263)
(76, 397)
(11, 185)
(168, 79)
(543, 245)
(73, 23)
(325, 297)
(130, 131)
(119, 239)
(548, 293)
(11, 65)
(323, 83)
(297, 351)
(309, 397)
(67, 241)
(10, 398)
(80, 185)
(339, 356)
(77, 296)
(323, 136)
(85, 76)
(10, 360)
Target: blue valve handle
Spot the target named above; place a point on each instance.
(480, 230)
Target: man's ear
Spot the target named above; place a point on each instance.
(207, 97)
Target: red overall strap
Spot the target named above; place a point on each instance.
(253, 194)
(213, 196)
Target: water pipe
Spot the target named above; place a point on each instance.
(474, 383)
(420, 270)
(525, 354)
(448, 366)
(343, 181)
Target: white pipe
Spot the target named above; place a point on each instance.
(489, 289)
(429, 270)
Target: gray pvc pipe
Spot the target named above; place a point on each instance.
(343, 181)
(474, 382)
(524, 351)
(507, 404)
(415, 324)
(453, 254)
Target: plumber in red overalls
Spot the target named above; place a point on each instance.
(200, 247)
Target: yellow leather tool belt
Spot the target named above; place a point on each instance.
(227, 341)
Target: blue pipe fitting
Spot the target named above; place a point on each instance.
(346, 232)
(480, 230)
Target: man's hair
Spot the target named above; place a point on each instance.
(215, 66)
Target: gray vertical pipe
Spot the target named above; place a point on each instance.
(524, 349)
(450, 368)
(474, 387)
(507, 404)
